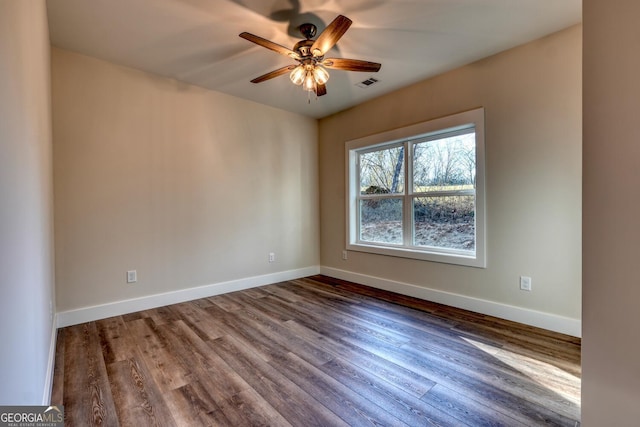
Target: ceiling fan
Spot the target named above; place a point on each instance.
(310, 71)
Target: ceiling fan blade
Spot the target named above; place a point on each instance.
(270, 45)
(351, 65)
(330, 36)
(321, 90)
(274, 73)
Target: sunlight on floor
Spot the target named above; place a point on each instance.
(553, 378)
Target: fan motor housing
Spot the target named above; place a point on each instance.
(303, 47)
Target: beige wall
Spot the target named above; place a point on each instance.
(187, 186)
(611, 288)
(532, 101)
(26, 204)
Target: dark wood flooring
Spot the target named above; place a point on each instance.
(315, 352)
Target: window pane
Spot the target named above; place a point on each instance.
(445, 164)
(381, 220)
(445, 222)
(382, 171)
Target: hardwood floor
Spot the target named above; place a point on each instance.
(315, 352)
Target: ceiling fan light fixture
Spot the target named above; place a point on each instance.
(320, 75)
(309, 82)
(298, 75)
(310, 72)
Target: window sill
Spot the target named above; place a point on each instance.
(442, 257)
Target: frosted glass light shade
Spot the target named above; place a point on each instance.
(297, 75)
(320, 75)
(309, 82)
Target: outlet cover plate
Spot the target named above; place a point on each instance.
(132, 276)
(525, 283)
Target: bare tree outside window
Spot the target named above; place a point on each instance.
(444, 172)
(442, 193)
(382, 173)
(448, 163)
(382, 169)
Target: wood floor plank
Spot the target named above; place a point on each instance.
(165, 367)
(283, 291)
(88, 399)
(534, 399)
(474, 385)
(308, 328)
(162, 315)
(245, 303)
(341, 321)
(353, 408)
(211, 371)
(256, 293)
(315, 351)
(567, 359)
(544, 373)
(138, 400)
(247, 333)
(293, 403)
(192, 405)
(134, 316)
(220, 392)
(198, 320)
(468, 411)
(403, 378)
(252, 409)
(225, 302)
(267, 320)
(114, 339)
(411, 411)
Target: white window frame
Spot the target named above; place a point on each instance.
(430, 129)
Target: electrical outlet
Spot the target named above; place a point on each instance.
(345, 255)
(132, 276)
(272, 257)
(525, 283)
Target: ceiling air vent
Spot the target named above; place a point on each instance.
(366, 83)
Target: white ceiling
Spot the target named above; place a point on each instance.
(196, 41)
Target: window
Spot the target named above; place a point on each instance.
(418, 191)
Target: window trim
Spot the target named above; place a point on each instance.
(430, 129)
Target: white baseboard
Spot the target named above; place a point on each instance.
(535, 318)
(103, 311)
(552, 322)
(51, 364)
